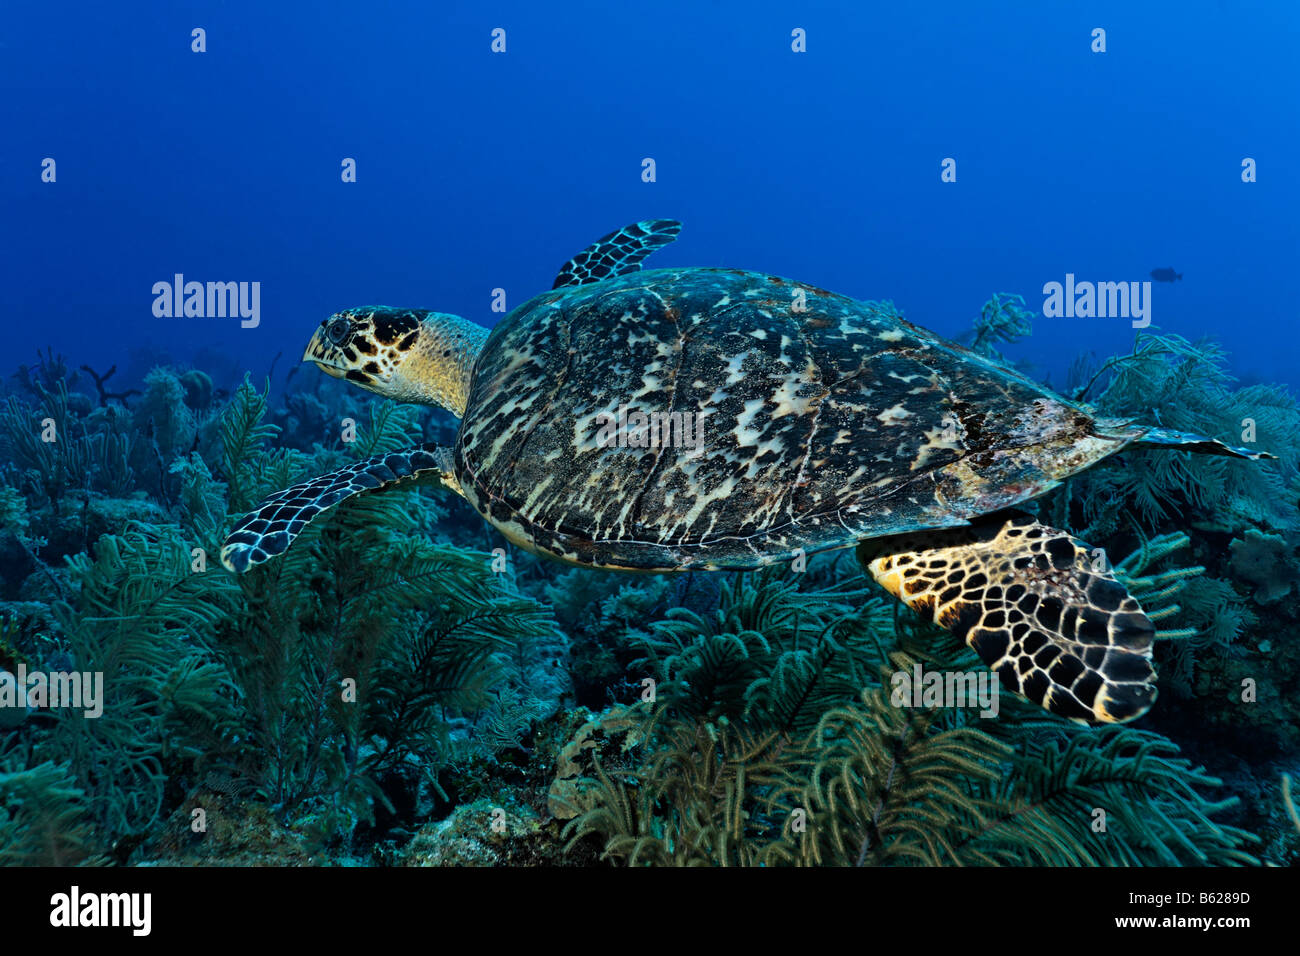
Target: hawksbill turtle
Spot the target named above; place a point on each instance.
(700, 419)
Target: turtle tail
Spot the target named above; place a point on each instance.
(1039, 606)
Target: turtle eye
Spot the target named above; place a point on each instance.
(337, 330)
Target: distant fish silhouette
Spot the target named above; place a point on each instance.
(1165, 275)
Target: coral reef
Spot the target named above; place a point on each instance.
(391, 692)
(1265, 561)
(1185, 386)
(759, 759)
(1004, 318)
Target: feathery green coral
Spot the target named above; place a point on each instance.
(1003, 318)
(759, 754)
(879, 785)
(1182, 385)
(314, 682)
(57, 451)
(140, 617)
(692, 804)
(771, 653)
(350, 652)
(44, 818)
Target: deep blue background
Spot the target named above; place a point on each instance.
(479, 170)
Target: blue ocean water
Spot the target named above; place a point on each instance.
(479, 170)
(199, 552)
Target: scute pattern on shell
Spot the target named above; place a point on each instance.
(825, 420)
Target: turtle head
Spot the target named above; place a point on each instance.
(408, 355)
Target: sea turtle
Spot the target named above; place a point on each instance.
(701, 419)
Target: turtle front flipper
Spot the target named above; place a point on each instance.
(270, 529)
(1037, 608)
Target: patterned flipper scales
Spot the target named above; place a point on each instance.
(618, 253)
(271, 528)
(1034, 604)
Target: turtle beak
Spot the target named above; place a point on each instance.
(320, 351)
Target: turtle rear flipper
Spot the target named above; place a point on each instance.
(1037, 608)
(270, 529)
(618, 253)
(1147, 436)
(1185, 441)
